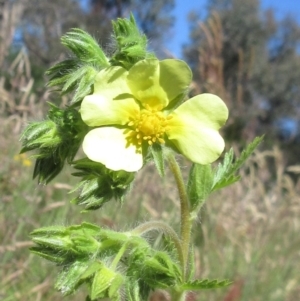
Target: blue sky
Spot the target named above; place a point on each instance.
(183, 7)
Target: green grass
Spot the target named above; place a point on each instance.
(248, 232)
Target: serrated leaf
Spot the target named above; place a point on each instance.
(85, 86)
(69, 279)
(227, 182)
(85, 47)
(204, 284)
(158, 157)
(223, 169)
(199, 185)
(246, 154)
(225, 174)
(59, 68)
(36, 129)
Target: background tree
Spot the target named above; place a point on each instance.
(253, 60)
(44, 22)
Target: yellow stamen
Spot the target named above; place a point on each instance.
(150, 125)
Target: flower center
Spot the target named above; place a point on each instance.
(150, 126)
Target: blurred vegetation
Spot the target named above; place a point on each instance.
(252, 61)
(248, 232)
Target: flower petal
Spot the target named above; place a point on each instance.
(175, 77)
(111, 102)
(108, 145)
(194, 126)
(97, 110)
(111, 82)
(143, 80)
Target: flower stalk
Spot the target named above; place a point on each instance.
(185, 221)
(166, 229)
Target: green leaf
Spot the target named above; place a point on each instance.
(91, 270)
(132, 290)
(85, 85)
(199, 185)
(69, 279)
(78, 73)
(50, 230)
(50, 255)
(204, 284)
(85, 47)
(101, 282)
(99, 184)
(60, 244)
(225, 174)
(115, 285)
(158, 157)
(161, 271)
(56, 140)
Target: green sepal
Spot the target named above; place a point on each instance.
(106, 284)
(199, 185)
(50, 255)
(131, 45)
(62, 242)
(99, 184)
(225, 173)
(158, 157)
(204, 284)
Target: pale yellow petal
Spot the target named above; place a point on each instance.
(175, 77)
(109, 146)
(193, 128)
(143, 80)
(97, 110)
(111, 103)
(111, 82)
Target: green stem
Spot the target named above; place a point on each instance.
(186, 223)
(118, 257)
(165, 228)
(178, 296)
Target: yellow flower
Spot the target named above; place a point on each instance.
(23, 158)
(133, 109)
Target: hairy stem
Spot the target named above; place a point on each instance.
(118, 257)
(166, 229)
(185, 220)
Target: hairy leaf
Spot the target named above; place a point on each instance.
(199, 185)
(225, 174)
(158, 156)
(205, 284)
